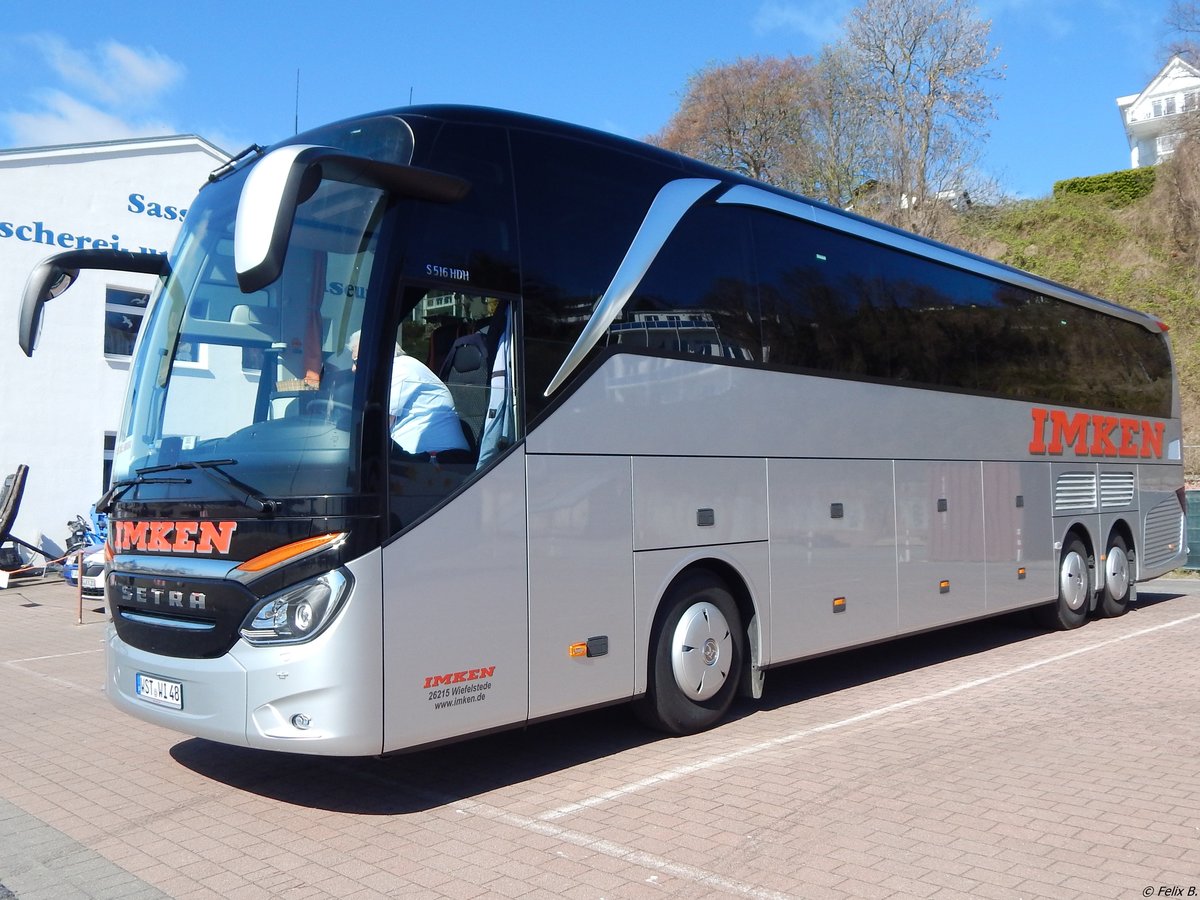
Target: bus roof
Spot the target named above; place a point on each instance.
(831, 216)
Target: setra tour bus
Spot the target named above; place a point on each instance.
(445, 420)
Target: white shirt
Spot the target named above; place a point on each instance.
(423, 415)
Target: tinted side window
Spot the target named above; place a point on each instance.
(699, 296)
(812, 285)
(1127, 367)
(473, 241)
(580, 206)
(1142, 376)
(835, 303)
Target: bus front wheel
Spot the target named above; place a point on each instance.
(697, 646)
(1074, 589)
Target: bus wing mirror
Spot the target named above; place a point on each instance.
(285, 178)
(54, 275)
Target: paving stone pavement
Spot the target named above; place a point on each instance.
(988, 760)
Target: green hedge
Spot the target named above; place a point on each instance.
(1121, 188)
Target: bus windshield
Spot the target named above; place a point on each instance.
(264, 380)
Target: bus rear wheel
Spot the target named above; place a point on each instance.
(698, 647)
(1074, 589)
(1117, 588)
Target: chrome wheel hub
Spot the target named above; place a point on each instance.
(1116, 573)
(701, 651)
(1072, 581)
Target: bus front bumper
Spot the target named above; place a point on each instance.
(294, 699)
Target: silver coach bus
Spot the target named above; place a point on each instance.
(445, 420)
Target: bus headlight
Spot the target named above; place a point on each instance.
(299, 613)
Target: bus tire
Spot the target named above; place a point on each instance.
(1074, 589)
(697, 648)
(1117, 587)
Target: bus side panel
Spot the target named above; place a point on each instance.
(695, 501)
(1162, 539)
(833, 535)
(580, 582)
(939, 542)
(1021, 560)
(691, 509)
(654, 570)
(455, 621)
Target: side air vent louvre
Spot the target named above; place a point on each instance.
(1116, 489)
(1164, 533)
(1075, 492)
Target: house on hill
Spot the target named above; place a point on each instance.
(1155, 119)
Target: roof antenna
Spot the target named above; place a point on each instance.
(296, 120)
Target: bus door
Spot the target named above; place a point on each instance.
(454, 570)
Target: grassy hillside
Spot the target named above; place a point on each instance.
(1140, 255)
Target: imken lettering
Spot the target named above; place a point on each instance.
(202, 538)
(1056, 431)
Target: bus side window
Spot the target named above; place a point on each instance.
(580, 208)
(470, 392)
(698, 297)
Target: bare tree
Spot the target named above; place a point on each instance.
(921, 69)
(839, 128)
(1183, 27)
(748, 117)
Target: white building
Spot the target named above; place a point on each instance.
(63, 406)
(1154, 119)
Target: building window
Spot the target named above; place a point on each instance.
(110, 446)
(1170, 106)
(1191, 101)
(1165, 144)
(123, 313)
(1157, 108)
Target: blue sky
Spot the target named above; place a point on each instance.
(76, 71)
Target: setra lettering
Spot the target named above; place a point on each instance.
(197, 600)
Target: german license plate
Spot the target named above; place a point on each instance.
(159, 690)
(92, 582)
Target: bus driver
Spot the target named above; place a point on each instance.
(423, 418)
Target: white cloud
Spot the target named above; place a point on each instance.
(145, 73)
(62, 119)
(820, 21)
(112, 73)
(108, 92)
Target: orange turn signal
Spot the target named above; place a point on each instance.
(290, 551)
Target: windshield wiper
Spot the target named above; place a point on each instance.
(212, 468)
(118, 489)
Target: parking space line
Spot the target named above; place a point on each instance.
(29, 659)
(18, 665)
(683, 771)
(631, 855)
(620, 851)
